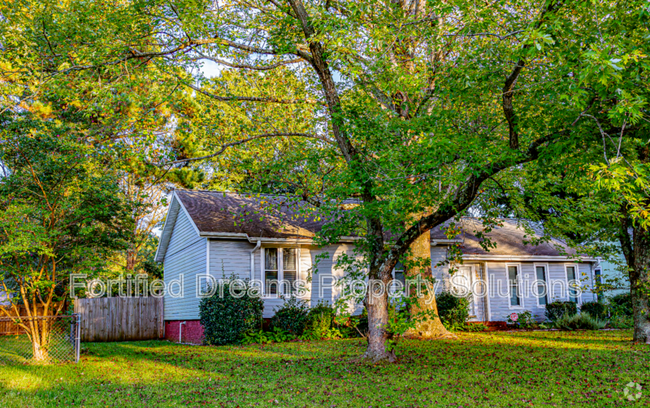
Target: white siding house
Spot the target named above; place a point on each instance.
(224, 234)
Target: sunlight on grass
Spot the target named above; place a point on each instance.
(479, 369)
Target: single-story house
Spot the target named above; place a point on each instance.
(216, 234)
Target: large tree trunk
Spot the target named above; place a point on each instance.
(377, 306)
(430, 328)
(640, 285)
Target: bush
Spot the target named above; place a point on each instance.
(621, 322)
(319, 320)
(292, 316)
(595, 309)
(262, 337)
(581, 321)
(621, 305)
(557, 310)
(452, 310)
(473, 327)
(226, 318)
(525, 320)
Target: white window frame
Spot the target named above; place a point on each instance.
(488, 312)
(519, 287)
(576, 270)
(280, 268)
(595, 281)
(546, 282)
(393, 284)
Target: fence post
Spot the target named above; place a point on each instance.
(77, 342)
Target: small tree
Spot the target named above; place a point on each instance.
(60, 213)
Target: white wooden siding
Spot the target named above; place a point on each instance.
(228, 258)
(185, 259)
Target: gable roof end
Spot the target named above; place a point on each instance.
(175, 207)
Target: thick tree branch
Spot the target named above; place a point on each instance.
(508, 110)
(500, 37)
(246, 98)
(252, 67)
(511, 80)
(329, 86)
(464, 197)
(225, 146)
(184, 46)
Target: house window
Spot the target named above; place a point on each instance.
(572, 277)
(289, 268)
(280, 270)
(271, 270)
(398, 273)
(599, 283)
(542, 286)
(398, 276)
(513, 277)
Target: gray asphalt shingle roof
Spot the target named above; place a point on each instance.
(271, 217)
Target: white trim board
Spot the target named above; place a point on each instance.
(165, 234)
(187, 214)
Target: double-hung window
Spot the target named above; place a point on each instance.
(542, 285)
(572, 278)
(398, 276)
(280, 271)
(513, 281)
(399, 273)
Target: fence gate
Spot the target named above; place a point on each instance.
(121, 318)
(40, 340)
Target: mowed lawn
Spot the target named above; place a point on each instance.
(515, 369)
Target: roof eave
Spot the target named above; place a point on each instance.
(528, 258)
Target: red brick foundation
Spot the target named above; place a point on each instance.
(192, 331)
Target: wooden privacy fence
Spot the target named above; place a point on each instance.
(121, 318)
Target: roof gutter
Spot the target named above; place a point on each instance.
(259, 244)
(244, 236)
(435, 242)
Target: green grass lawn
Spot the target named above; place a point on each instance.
(515, 369)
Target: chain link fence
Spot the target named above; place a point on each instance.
(39, 340)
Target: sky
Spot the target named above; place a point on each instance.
(210, 69)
